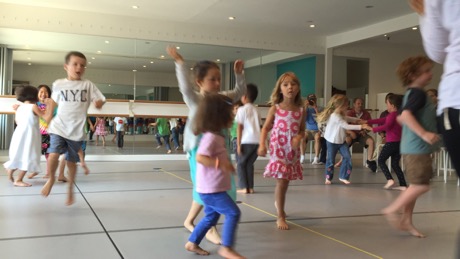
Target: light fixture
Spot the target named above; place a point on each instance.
(231, 18)
(312, 26)
(162, 56)
(217, 60)
(99, 52)
(93, 58)
(144, 66)
(135, 7)
(151, 62)
(177, 47)
(414, 28)
(28, 58)
(107, 42)
(30, 64)
(134, 70)
(89, 63)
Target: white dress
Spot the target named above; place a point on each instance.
(25, 146)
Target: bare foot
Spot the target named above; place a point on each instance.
(228, 252)
(10, 175)
(70, 199)
(407, 226)
(21, 184)
(194, 248)
(345, 181)
(46, 190)
(213, 236)
(393, 219)
(46, 176)
(251, 190)
(281, 224)
(62, 179)
(32, 175)
(389, 184)
(85, 168)
(400, 188)
(242, 191)
(189, 226)
(327, 182)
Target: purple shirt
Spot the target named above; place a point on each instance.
(210, 179)
(390, 125)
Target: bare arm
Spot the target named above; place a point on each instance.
(268, 125)
(50, 106)
(408, 119)
(239, 133)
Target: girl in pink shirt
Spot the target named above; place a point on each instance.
(213, 174)
(393, 138)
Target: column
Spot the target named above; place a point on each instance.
(6, 78)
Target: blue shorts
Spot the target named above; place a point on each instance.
(62, 145)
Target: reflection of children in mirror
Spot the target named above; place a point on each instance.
(100, 130)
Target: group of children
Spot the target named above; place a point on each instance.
(210, 117)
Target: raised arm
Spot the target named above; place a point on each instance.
(240, 85)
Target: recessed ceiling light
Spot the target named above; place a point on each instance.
(89, 63)
(231, 17)
(177, 47)
(385, 35)
(110, 85)
(144, 66)
(151, 62)
(99, 52)
(162, 56)
(414, 28)
(217, 60)
(312, 26)
(107, 42)
(135, 7)
(134, 70)
(30, 64)
(29, 58)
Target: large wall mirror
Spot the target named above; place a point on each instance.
(140, 70)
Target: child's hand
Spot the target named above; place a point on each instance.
(295, 143)
(172, 51)
(98, 104)
(15, 106)
(238, 66)
(430, 137)
(366, 127)
(226, 166)
(262, 151)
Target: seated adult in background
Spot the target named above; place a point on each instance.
(361, 136)
(311, 127)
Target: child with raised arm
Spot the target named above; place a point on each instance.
(73, 96)
(418, 118)
(248, 135)
(334, 115)
(393, 140)
(286, 121)
(25, 147)
(214, 169)
(207, 78)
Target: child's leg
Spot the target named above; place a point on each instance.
(10, 174)
(52, 165)
(72, 172)
(346, 167)
(103, 140)
(61, 169)
(19, 181)
(252, 150)
(242, 172)
(97, 140)
(330, 159)
(167, 143)
(280, 198)
(195, 209)
(81, 156)
(395, 159)
(406, 201)
(387, 151)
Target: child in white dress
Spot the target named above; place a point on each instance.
(25, 147)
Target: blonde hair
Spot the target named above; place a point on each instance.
(335, 102)
(277, 96)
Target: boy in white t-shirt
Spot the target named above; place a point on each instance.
(248, 135)
(73, 96)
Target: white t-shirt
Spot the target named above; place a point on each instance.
(120, 123)
(336, 128)
(73, 98)
(249, 117)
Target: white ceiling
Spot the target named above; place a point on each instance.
(262, 16)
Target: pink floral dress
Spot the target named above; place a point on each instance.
(284, 161)
(100, 127)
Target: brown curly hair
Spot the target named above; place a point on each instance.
(411, 67)
(214, 113)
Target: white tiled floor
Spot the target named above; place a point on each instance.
(131, 210)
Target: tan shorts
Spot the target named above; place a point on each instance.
(311, 134)
(419, 169)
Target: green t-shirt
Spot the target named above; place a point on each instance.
(233, 129)
(162, 127)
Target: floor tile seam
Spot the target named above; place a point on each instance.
(50, 236)
(316, 232)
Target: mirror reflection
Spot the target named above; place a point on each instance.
(138, 71)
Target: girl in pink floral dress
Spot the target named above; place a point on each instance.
(100, 130)
(286, 120)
